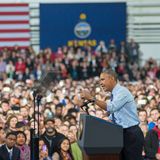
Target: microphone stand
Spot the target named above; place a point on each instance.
(34, 144)
(39, 97)
(34, 106)
(38, 91)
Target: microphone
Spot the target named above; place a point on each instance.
(85, 107)
(85, 104)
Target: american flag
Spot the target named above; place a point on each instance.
(14, 25)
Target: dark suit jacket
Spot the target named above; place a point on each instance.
(151, 144)
(4, 155)
(55, 140)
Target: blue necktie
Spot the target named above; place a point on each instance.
(10, 155)
(113, 117)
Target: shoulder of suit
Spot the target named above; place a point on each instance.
(16, 149)
(2, 146)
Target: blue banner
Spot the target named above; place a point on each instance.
(61, 24)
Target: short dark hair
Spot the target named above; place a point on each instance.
(142, 110)
(21, 132)
(153, 109)
(5, 101)
(49, 120)
(59, 105)
(110, 72)
(11, 133)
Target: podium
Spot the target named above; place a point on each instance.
(99, 139)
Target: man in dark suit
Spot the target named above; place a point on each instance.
(8, 151)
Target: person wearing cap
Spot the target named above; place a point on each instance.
(51, 137)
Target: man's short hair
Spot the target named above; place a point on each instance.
(110, 72)
(49, 120)
(11, 133)
(59, 105)
(5, 101)
(142, 110)
(154, 109)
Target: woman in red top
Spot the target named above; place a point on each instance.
(20, 66)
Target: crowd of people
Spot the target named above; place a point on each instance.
(76, 68)
(78, 63)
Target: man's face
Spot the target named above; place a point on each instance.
(106, 82)
(59, 111)
(154, 115)
(64, 130)
(24, 112)
(11, 141)
(5, 107)
(142, 116)
(50, 127)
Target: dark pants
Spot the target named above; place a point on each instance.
(133, 143)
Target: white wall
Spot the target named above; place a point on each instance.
(150, 50)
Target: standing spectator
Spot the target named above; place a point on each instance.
(102, 47)
(10, 69)
(154, 115)
(112, 46)
(20, 68)
(151, 145)
(64, 150)
(2, 68)
(5, 107)
(144, 129)
(123, 48)
(8, 151)
(64, 128)
(24, 112)
(11, 123)
(43, 151)
(51, 137)
(73, 69)
(76, 151)
(142, 114)
(84, 70)
(58, 111)
(21, 144)
(133, 49)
